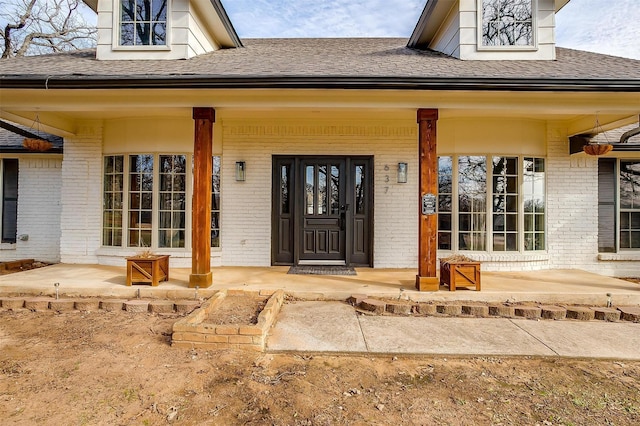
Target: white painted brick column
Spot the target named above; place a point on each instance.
(82, 195)
(572, 204)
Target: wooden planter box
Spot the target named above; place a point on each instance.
(459, 273)
(151, 269)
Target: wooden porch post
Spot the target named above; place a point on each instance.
(426, 279)
(201, 209)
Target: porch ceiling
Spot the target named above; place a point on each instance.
(59, 111)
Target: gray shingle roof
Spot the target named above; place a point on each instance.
(613, 136)
(329, 60)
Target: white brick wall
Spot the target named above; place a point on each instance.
(246, 206)
(82, 195)
(572, 205)
(39, 181)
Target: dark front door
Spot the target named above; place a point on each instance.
(323, 216)
(322, 210)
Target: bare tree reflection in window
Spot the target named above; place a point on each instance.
(507, 23)
(360, 199)
(215, 202)
(143, 22)
(472, 202)
(445, 202)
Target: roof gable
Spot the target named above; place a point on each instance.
(451, 27)
(188, 28)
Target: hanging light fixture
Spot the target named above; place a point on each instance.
(597, 148)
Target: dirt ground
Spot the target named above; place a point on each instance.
(118, 368)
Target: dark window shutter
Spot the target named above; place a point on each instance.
(9, 200)
(607, 205)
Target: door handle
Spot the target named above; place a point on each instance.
(343, 220)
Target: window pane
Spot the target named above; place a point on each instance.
(444, 240)
(498, 222)
(159, 33)
(127, 35)
(165, 220)
(147, 200)
(159, 8)
(625, 239)
(625, 220)
(444, 222)
(445, 175)
(284, 189)
(309, 189)
(444, 203)
(360, 190)
(464, 222)
(322, 189)
(335, 190)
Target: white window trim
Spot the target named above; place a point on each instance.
(515, 255)
(116, 28)
(534, 24)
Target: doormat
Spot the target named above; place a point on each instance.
(322, 270)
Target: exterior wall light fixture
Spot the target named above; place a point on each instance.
(241, 171)
(402, 172)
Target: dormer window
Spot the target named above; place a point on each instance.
(507, 23)
(143, 22)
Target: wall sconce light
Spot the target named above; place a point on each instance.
(241, 171)
(402, 172)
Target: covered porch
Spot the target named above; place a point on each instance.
(549, 286)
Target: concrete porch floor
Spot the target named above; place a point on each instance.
(550, 286)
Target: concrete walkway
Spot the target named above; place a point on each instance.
(549, 286)
(335, 327)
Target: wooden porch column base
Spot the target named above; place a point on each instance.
(427, 283)
(200, 280)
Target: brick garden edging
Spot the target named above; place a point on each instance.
(191, 332)
(376, 306)
(40, 304)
